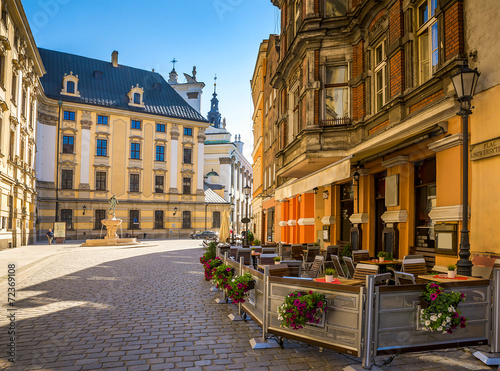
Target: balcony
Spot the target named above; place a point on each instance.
(340, 121)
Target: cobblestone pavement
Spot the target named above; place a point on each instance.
(148, 308)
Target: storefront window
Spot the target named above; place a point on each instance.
(346, 210)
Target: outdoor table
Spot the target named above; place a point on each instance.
(254, 258)
(340, 281)
(383, 265)
(442, 278)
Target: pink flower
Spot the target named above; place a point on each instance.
(298, 294)
(320, 304)
(462, 295)
(310, 292)
(240, 286)
(434, 296)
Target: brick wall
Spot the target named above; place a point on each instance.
(426, 101)
(304, 72)
(316, 107)
(454, 30)
(316, 6)
(396, 24)
(378, 127)
(303, 114)
(316, 65)
(396, 66)
(358, 106)
(358, 63)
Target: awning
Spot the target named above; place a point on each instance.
(335, 172)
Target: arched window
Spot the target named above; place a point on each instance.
(70, 87)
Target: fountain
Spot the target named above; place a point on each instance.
(111, 238)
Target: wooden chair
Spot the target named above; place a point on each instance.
(317, 264)
(414, 266)
(285, 252)
(278, 270)
(294, 267)
(338, 267)
(233, 251)
(267, 259)
(297, 252)
(363, 270)
(358, 255)
(351, 268)
(402, 278)
(269, 250)
(330, 250)
(246, 254)
(224, 249)
(310, 256)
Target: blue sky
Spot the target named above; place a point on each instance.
(218, 36)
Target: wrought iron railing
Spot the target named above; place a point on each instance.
(340, 121)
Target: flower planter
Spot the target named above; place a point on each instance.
(452, 274)
(381, 259)
(277, 262)
(329, 278)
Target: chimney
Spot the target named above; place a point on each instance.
(114, 58)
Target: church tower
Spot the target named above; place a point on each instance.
(214, 116)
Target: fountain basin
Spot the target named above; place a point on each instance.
(111, 238)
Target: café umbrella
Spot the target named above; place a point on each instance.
(224, 227)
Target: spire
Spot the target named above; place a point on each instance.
(214, 116)
(172, 80)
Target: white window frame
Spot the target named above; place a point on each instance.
(323, 106)
(380, 66)
(428, 26)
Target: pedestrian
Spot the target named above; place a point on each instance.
(50, 236)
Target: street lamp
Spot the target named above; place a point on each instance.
(464, 82)
(246, 192)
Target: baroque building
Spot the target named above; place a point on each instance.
(104, 129)
(364, 89)
(20, 70)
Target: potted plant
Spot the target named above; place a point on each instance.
(277, 260)
(452, 271)
(382, 255)
(237, 289)
(439, 311)
(301, 308)
(209, 266)
(256, 242)
(329, 272)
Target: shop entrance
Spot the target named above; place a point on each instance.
(380, 209)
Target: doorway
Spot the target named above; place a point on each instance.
(380, 209)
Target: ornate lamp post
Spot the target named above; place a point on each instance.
(464, 82)
(246, 191)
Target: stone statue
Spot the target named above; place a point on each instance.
(113, 201)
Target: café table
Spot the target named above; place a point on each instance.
(341, 281)
(254, 258)
(443, 278)
(383, 265)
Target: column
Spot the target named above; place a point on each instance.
(86, 125)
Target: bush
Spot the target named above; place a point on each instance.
(256, 242)
(211, 250)
(250, 236)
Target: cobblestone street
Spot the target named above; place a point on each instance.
(149, 308)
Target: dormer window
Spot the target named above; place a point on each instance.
(70, 85)
(135, 96)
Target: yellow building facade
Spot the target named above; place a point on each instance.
(20, 70)
(106, 129)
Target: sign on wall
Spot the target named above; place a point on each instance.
(392, 190)
(485, 149)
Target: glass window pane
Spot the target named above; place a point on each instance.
(424, 56)
(435, 44)
(336, 75)
(336, 104)
(433, 7)
(423, 13)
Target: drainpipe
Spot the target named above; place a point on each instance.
(57, 159)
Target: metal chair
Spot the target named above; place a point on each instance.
(310, 256)
(269, 250)
(278, 270)
(294, 267)
(350, 266)
(338, 267)
(382, 279)
(358, 255)
(414, 256)
(402, 278)
(318, 262)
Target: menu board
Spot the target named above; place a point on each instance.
(60, 229)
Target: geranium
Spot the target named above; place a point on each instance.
(441, 313)
(301, 308)
(222, 274)
(210, 265)
(237, 288)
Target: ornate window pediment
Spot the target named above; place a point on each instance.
(135, 96)
(70, 85)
